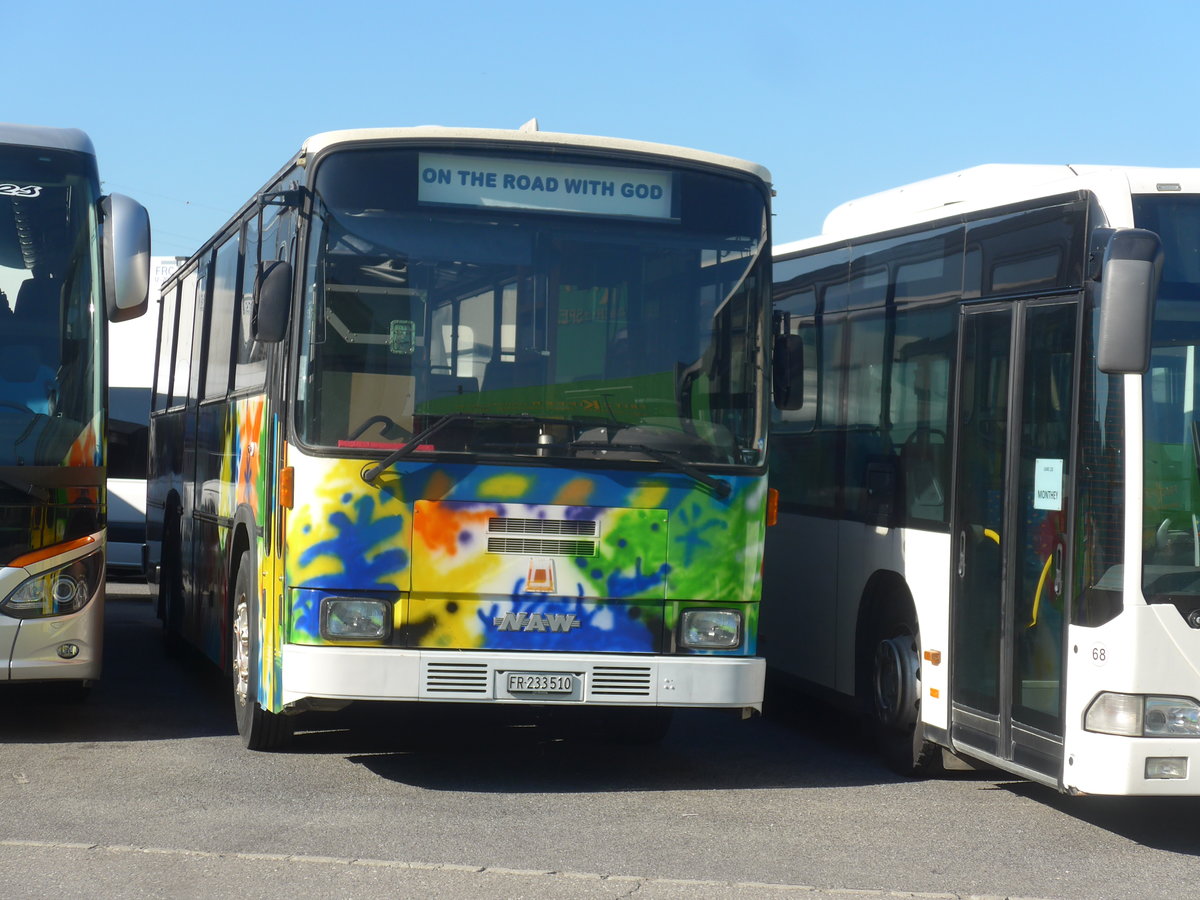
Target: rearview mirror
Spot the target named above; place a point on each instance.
(1129, 280)
(272, 300)
(125, 248)
(787, 371)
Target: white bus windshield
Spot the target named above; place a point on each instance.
(49, 388)
(595, 323)
(1171, 523)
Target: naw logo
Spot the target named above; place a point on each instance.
(557, 622)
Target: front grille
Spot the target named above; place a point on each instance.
(456, 678)
(620, 681)
(500, 525)
(542, 547)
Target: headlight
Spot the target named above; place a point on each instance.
(57, 592)
(1138, 715)
(710, 629)
(354, 619)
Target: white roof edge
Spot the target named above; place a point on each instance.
(327, 139)
(990, 185)
(43, 136)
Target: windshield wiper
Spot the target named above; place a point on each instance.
(370, 473)
(670, 458)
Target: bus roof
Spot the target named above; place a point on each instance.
(994, 185)
(50, 138)
(325, 140)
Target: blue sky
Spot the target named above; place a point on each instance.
(193, 106)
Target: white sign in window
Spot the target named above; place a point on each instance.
(1048, 484)
(559, 187)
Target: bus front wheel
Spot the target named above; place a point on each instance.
(896, 703)
(259, 729)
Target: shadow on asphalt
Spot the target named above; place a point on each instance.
(142, 695)
(1162, 823)
(146, 695)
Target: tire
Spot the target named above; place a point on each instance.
(258, 728)
(895, 702)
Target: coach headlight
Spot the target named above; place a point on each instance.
(710, 629)
(1139, 715)
(355, 619)
(58, 592)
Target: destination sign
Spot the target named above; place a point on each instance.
(555, 187)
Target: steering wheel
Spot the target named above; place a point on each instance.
(920, 433)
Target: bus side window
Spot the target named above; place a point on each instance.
(923, 346)
(183, 339)
(221, 319)
(166, 351)
(250, 357)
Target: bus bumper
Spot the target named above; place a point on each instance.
(1133, 767)
(358, 673)
(40, 649)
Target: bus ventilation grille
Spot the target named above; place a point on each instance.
(456, 678)
(620, 681)
(527, 547)
(542, 537)
(541, 526)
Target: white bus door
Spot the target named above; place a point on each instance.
(1015, 412)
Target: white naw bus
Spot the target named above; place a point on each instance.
(986, 442)
(130, 375)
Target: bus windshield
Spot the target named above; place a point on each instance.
(1171, 526)
(542, 332)
(49, 388)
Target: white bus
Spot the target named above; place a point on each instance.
(130, 376)
(985, 443)
(69, 258)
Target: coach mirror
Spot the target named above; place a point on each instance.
(1133, 263)
(272, 300)
(273, 284)
(787, 371)
(125, 237)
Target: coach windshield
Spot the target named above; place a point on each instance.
(552, 307)
(49, 298)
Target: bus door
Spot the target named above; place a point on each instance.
(1014, 426)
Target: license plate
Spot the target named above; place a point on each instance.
(540, 683)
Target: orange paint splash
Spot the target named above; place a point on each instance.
(438, 527)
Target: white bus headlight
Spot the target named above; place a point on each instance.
(1139, 715)
(1171, 717)
(57, 592)
(355, 619)
(710, 629)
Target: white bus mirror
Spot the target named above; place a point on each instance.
(125, 242)
(1129, 280)
(787, 371)
(272, 300)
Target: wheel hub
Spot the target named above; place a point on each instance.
(896, 686)
(241, 653)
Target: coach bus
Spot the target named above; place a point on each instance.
(70, 261)
(472, 416)
(986, 443)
